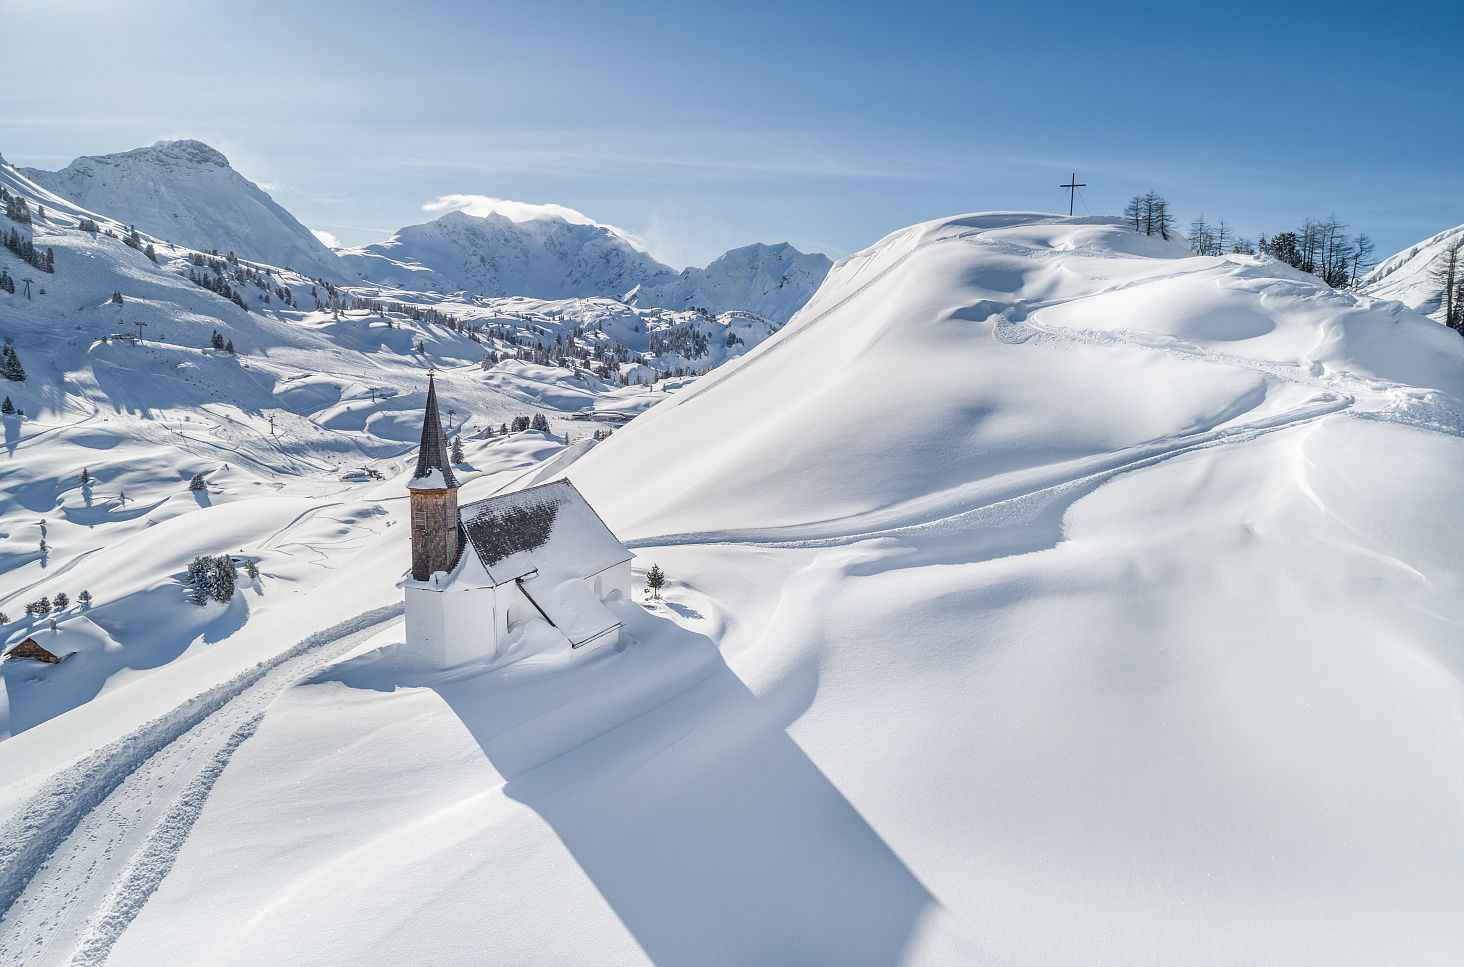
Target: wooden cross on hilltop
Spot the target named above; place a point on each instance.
(1072, 186)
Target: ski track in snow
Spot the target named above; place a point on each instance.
(86, 851)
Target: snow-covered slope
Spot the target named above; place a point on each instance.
(546, 257)
(1039, 595)
(186, 192)
(771, 280)
(1408, 276)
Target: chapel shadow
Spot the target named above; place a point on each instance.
(711, 834)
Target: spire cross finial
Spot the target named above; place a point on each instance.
(431, 371)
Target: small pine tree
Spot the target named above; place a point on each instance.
(116, 297)
(457, 450)
(63, 601)
(251, 569)
(10, 366)
(216, 341)
(656, 580)
(86, 477)
(4, 618)
(229, 347)
(7, 408)
(540, 422)
(43, 606)
(84, 598)
(197, 483)
(150, 252)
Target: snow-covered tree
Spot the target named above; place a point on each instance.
(212, 578)
(86, 477)
(84, 598)
(116, 297)
(229, 347)
(656, 579)
(198, 483)
(457, 450)
(63, 600)
(540, 423)
(7, 408)
(10, 366)
(216, 340)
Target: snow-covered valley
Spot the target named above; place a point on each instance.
(1039, 594)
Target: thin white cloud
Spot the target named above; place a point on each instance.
(326, 238)
(521, 211)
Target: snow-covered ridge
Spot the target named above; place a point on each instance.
(1408, 276)
(187, 193)
(771, 280)
(548, 257)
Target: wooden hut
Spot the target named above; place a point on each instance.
(30, 648)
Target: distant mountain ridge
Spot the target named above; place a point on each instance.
(186, 192)
(770, 280)
(551, 258)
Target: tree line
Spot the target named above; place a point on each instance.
(1319, 246)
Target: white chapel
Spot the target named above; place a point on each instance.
(481, 570)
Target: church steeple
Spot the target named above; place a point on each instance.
(432, 455)
(435, 534)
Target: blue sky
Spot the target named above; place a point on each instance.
(703, 126)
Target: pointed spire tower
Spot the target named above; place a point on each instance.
(435, 543)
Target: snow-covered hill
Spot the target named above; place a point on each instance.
(1408, 276)
(1041, 594)
(187, 193)
(549, 257)
(771, 280)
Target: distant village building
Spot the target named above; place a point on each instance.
(482, 570)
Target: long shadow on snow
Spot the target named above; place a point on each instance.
(712, 835)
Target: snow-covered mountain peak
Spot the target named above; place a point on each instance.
(185, 151)
(186, 192)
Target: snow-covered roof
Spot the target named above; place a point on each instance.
(549, 528)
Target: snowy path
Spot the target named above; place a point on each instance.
(86, 851)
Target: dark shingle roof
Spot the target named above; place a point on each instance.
(432, 455)
(550, 527)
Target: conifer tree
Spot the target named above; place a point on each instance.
(656, 580)
(63, 600)
(197, 483)
(10, 366)
(86, 477)
(457, 450)
(84, 598)
(1448, 272)
(116, 297)
(7, 408)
